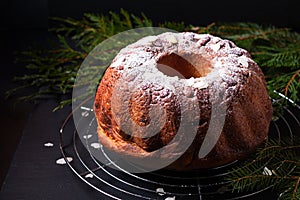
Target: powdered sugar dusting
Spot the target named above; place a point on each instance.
(172, 39)
(243, 60)
(200, 84)
(215, 47)
(149, 39)
(224, 56)
(138, 53)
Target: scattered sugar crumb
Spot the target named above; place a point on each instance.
(86, 108)
(62, 161)
(48, 144)
(267, 172)
(87, 136)
(170, 198)
(85, 114)
(96, 145)
(89, 175)
(160, 191)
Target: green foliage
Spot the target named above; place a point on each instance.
(177, 26)
(276, 50)
(92, 29)
(276, 165)
(53, 71)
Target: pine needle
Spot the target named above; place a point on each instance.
(276, 165)
(276, 50)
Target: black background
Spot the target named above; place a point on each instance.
(34, 14)
(24, 23)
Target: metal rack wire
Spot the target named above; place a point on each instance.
(117, 183)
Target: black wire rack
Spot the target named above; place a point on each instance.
(117, 183)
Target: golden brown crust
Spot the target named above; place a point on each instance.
(248, 112)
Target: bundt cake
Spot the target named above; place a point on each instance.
(195, 100)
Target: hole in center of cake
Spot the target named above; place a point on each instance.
(185, 67)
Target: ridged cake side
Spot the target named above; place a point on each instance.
(248, 107)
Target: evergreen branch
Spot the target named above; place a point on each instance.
(245, 31)
(291, 81)
(275, 56)
(276, 50)
(281, 169)
(259, 34)
(286, 83)
(94, 28)
(62, 104)
(296, 188)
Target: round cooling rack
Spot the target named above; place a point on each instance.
(117, 183)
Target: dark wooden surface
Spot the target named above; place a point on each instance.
(14, 115)
(34, 173)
